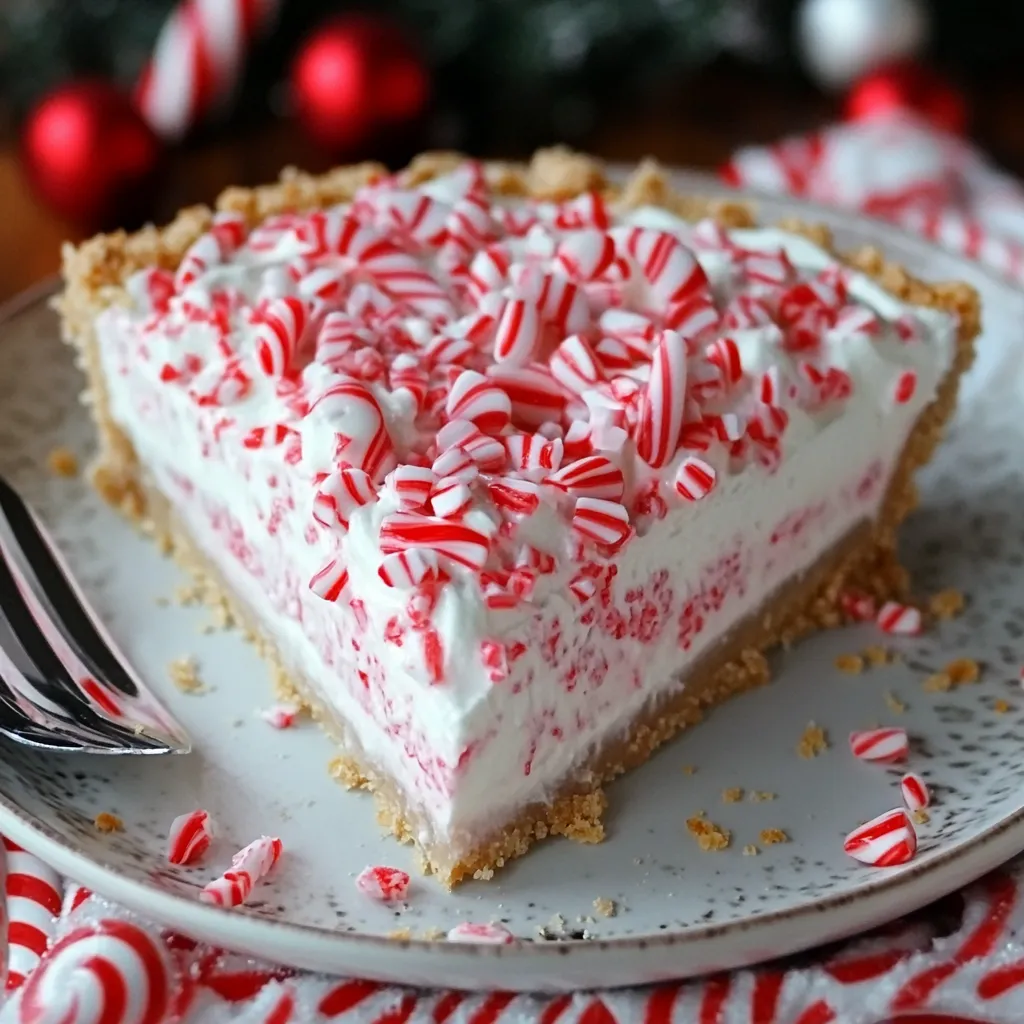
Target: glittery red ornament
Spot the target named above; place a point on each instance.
(89, 156)
(355, 78)
(911, 88)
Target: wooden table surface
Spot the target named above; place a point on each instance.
(697, 124)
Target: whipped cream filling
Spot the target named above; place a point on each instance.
(483, 686)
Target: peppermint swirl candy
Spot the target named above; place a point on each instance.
(110, 972)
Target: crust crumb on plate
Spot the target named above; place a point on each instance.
(184, 673)
(851, 664)
(710, 837)
(106, 822)
(813, 742)
(772, 836)
(947, 604)
(62, 462)
(605, 907)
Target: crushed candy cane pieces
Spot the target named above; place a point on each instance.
(248, 866)
(916, 794)
(190, 837)
(280, 716)
(885, 841)
(383, 883)
(899, 619)
(883, 746)
(489, 934)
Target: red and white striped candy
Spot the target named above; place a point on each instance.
(636, 330)
(478, 399)
(695, 479)
(587, 210)
(267, 437)
(768, 267)
(574, 365)
(582, 588)
(203, 253)
(603, 522)
(884, 746)
(331, 582)
(248, 866)
(884, 841)
(407, 373)
(337, 336)
(433, 655)
(899, 619)
(594, 476)
(724, 353)
(518, 332)
(514, 495)
(33, 902)
(709, 234)
(488, 271)
(560, 301)
(455, 463)
(450, 498)
(813, 294)
(151, 289)
(529, 452)
(382, 883)
(412, 484)
(660, 414)
(497, 596)
(220, 384)
(189, 837)
(856, 321)
(266, 236)
(746, 311)
(535, 395)
(577, 441)
(105, 972)
(450, 541)
(489, 934)
(916, 794)
(406, 570)
(280, 716)
(909, 328)
(693, 317)
(487, 452)
(585, 255)
(494, 656)
(340, 494)
(540, 562)
(279, 333)
(769, 386)
(470, 223)
(402, 277)
(364, 441)
(671, 270)
(858, 605)
(446, 349)
(414, 216)
(905, 387)
(613, 354)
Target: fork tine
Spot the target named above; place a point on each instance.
(60, 662)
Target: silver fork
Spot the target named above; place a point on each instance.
(63, 683)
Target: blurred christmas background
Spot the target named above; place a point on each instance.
(114, 111)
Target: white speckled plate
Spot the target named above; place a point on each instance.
(681, 911)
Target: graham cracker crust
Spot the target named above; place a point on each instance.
(95, 273)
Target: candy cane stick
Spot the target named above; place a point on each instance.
(197, 60)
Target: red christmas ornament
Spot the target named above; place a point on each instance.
(356, 77)
(908, 87)
(88, 154)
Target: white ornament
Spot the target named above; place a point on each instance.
(841, 40)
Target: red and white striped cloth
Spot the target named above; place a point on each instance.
(957, 963)
(954, 964)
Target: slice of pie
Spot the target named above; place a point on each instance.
(512, 472)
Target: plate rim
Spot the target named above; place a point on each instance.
(924, 882)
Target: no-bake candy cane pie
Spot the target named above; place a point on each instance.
(512, 471)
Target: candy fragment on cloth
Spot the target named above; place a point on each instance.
(899, 619)
(108, 971)
(34, 892)
(248, 866)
